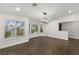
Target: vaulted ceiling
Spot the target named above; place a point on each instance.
(53, 10)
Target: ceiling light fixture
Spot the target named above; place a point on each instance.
(17, 9)
(45, 16)
(34, 5)
(69, 11)
(44, 13)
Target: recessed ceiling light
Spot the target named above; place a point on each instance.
(69, 11)
(17, 9)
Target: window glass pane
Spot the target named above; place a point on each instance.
(9, 28)
(14, 28)
(34, 28)
(19, 28)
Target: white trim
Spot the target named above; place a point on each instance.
(9, 43)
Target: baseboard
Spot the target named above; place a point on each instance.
(57, 38)
(73, 38)
(5, 45)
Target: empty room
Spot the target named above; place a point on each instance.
(39, 28)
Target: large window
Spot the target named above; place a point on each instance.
(14, 28)
(34, 28)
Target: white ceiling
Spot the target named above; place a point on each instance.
(35, 13)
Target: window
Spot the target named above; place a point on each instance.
(14, 28)
(34, 28)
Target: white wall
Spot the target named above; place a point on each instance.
(1, 30)
(71, 25)
(52, 30)
(72, 28)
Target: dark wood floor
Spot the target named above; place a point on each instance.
(44, 46)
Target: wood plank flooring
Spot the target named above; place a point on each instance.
(44, 46)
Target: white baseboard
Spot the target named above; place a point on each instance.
(57, 37)
(9, 43)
